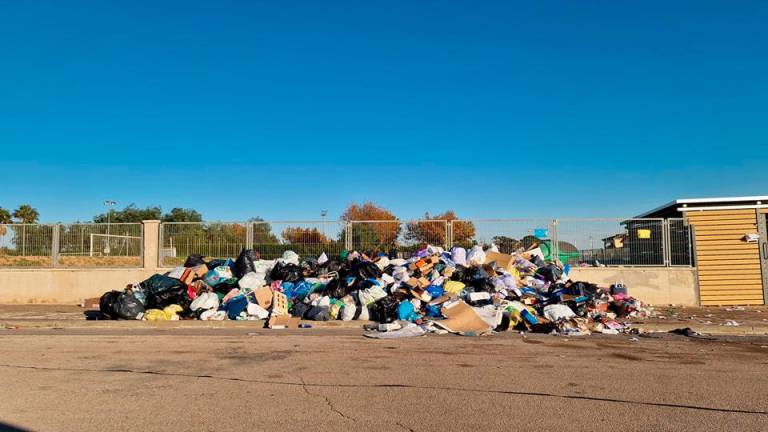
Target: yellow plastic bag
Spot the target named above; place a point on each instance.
(453, 287)
(155, 315)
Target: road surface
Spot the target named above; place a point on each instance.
(143, 379)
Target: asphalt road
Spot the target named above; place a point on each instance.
(334, 379)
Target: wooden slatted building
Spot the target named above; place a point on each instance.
(730, 246)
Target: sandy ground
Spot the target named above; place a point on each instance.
(335, 379)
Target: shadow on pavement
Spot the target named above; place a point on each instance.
(6, 427)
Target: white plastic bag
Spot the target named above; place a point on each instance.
(257, 311)
(476, 256)
(252, 280)
(290, 257)
(205, 301)
(459, 255)
(556, 312)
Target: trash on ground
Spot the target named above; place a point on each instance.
(468, 292)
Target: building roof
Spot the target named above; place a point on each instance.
(674, 207)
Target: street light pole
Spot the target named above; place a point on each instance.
(109, 204)
(324, 214)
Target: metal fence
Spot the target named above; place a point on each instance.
(100, 244)
(71, 245)
(593, 242)
(610, 242)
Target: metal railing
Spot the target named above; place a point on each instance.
(71, 245)
(610, 242)
(26, 245)
(99, 245)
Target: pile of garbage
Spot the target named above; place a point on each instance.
(468, 292)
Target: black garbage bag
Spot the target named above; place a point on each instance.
(194, 261)
(550, 273)
(244, 262)
(459, 273)
(333, 265)
(300, 309)
(163, 291)
(384, 310)
(127, 306)
(319, 313)
(337, 288)
(212, 264)
(107, 304)
(309, 267)
(225, 286)
(286, 273)
(364, 270)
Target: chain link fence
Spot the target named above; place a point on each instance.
(26, 245)
(100, 245)
(610, 242)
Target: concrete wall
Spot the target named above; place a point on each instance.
(70, 286)
(652, 285)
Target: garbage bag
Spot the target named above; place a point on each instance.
(337, 288)
(252, 280)
(300, 309)
(216, 275)
(349, 311)
(225, 286)
(286, 272)
(235, 306)
(459, 255)
(550, 273)
(245, 262)
(384, 310)
(557, 312)
(212, 264)
(127, 306)
(476, 256)
(365, 270)
(163, 291)
(107, 304)
(205, 301)
(319, 313)
(257, 311)
(194, 261)
(289, 257)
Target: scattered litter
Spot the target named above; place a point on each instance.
(735, 308)
(731, 323)
(468, 292)
(687, 332)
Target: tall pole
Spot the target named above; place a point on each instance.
(109, 204)
(324, 215)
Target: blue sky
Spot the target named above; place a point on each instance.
(280, 109)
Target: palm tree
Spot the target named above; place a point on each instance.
(5, 218)
(26, 214)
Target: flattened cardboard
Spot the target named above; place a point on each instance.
(284, 321)
(462, 319)
(263, 297)
(504, 261)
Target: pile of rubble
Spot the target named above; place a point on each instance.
(461, 291)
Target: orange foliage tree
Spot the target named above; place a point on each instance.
(377, 226)
(429, 230)
(298, 235)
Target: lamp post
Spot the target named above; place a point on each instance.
(324, 215)
(109, 204)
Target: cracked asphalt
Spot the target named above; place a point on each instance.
(334, 379)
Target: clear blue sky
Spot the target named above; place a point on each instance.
(280, 109)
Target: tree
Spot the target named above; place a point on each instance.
(375, 227)
(298, 235)
(130, 214)
(433, 231)
(262, 232)
(182, 215)
(5, 216)
(26, 214)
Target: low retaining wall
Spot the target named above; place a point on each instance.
(676, 286)
(71, 286)
(64, 286)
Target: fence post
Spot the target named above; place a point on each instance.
(666, 242)
(348, 236)
(555, 241)
(249, 235)
(152, 247)
(55, 245)
(448, 234)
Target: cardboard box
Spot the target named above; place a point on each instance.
(503, 261)
(283, 321)
(263, 297)
(279, 303)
